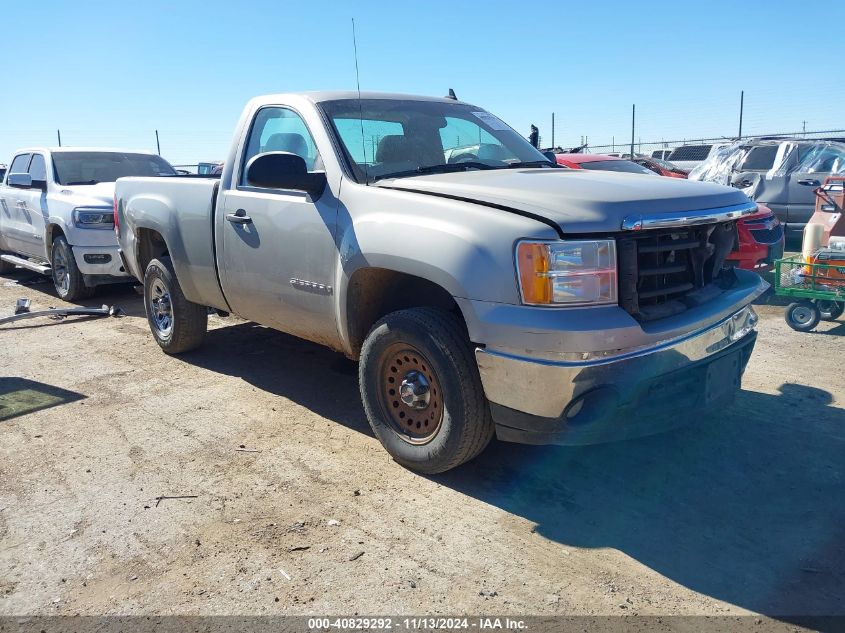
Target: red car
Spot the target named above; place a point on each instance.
(760, 235)
(601, 163)
(662, 167)
(760, 240)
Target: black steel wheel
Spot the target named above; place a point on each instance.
(830, 310)
(802, 316)
(422, 392)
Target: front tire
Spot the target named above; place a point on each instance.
(802, 316)
(68, 281)
(178, 325)
(830, 310)
(422, 392)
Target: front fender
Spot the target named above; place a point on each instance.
(466, 249)
(56, 223)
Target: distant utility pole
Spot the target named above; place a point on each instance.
(804, 128)
(613, 144)
(553, 130)
(158, 145)
(633, 125)
(741, 107)
(59, 134)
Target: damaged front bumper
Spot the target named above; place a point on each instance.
(591, 398)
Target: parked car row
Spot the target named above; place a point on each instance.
(782, 174)
(483, 288)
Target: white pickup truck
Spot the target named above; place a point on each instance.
(56, 214)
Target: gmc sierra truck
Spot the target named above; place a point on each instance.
(56, 214)
(483, 289)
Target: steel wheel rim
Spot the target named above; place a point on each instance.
(802, 315)
(161, 308)
(409, 394)
(60, 273)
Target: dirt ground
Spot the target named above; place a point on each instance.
(122, 489)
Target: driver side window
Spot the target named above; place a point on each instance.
(280, 130)
(38, 168)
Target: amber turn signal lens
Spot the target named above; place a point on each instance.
(533, 260)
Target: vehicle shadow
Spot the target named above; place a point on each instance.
(19, 396)
(309, 374)
(746, 507)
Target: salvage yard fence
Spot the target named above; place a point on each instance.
(647, 147)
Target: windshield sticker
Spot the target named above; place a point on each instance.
(493, 121)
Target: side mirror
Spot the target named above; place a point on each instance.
(284, 170)
(21, 181)
(551, 156)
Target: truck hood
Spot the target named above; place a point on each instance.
(576, 200)
(99, 195)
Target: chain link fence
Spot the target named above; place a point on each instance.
(662, 148)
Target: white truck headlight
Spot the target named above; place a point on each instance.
(93, 217)
(570, 272)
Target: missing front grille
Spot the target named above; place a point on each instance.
(664, 272)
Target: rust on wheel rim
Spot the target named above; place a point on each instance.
(410, 395)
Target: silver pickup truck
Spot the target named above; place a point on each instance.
(483, 289)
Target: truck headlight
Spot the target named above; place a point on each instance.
(93, 217)
(576, 272)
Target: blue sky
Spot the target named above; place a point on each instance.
(111, 73)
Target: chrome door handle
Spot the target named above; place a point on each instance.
(239, 217)
(809, 182)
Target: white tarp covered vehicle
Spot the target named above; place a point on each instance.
(780, 173)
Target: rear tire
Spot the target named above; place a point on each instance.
(68, 281)
(422, 392)
(178, 325)
(830, 310)
(802, 316)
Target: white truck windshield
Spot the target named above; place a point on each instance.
(89, 168)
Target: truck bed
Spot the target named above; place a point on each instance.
(181, 208)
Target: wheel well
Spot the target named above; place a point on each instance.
(53, 231)
(376, 292)
(150, 245)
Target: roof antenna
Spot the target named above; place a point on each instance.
(451, 95)
(360, 107)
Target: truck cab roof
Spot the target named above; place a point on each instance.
(320, 96)
(70, 148)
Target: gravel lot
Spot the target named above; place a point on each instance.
(99, 430)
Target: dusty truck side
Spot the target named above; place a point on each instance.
(483, 289)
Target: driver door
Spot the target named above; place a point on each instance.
(277, 260)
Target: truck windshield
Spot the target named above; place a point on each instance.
(407, 137)
(89, 168)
